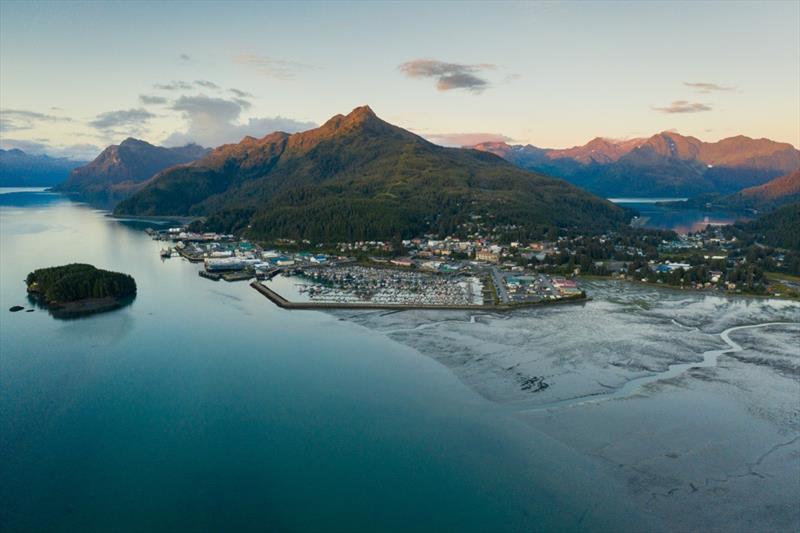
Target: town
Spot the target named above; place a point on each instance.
(431, 273)
(484, 272)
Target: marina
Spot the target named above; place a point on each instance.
(283, 303)
(463, 275)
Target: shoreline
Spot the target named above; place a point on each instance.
(704, 290)
(154, 218)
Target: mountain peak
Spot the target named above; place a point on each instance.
(358, 120)
(498, 148)
(361, 113)
(132, 140)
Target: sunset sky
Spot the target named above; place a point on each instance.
(75, 77)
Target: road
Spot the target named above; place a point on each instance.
(497, 278)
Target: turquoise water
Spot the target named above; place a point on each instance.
(203, 407)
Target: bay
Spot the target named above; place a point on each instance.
(203, 407)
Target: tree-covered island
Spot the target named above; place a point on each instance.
(80, 288)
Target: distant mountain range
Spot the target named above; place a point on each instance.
(19, 169)
(358, 177)
(122, 169)
(667, 164)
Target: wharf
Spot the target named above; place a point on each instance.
(283, 303)
(192, 258)
(238, 276)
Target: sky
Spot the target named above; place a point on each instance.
(76, 77)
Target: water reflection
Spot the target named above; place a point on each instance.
(78, 312)
(655, 216)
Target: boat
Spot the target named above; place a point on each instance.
(166, 253)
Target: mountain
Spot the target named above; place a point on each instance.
(358, 177)
(779, 228)
(771, 195)
(665, 164)
(18, 169)
(775, 193)
(122, 169)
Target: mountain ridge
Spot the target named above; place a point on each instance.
(663, 164)
(120, 169)
(773, 194)
(357, 177)
(21, 169)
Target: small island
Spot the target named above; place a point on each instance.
(78, 289)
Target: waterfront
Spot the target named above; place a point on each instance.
(202, 406)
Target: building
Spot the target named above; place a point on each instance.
(225, 263)
(487, 256)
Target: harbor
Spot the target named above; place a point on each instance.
(444, 275)
(283, 303)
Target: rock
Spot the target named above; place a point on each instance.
(534, 384)
(16, 308)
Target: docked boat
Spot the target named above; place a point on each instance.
(166, 253)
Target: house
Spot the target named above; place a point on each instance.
(487, 256)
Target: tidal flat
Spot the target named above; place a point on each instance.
(698, 442)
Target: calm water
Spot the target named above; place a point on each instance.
(203, 407)
(679, 220)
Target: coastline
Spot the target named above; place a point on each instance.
(704, 290)
(77, 308)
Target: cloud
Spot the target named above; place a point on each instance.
(682, 106)
(130, 120)
(22, 119)
(466, 139)
(174, 86)
(207, 84)
(243, 103)
(77, 152)
(706, 88)
(148, 99)
(270, 66)
(185, 57)
(214, 121)
(240, 94)
(448, 76)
